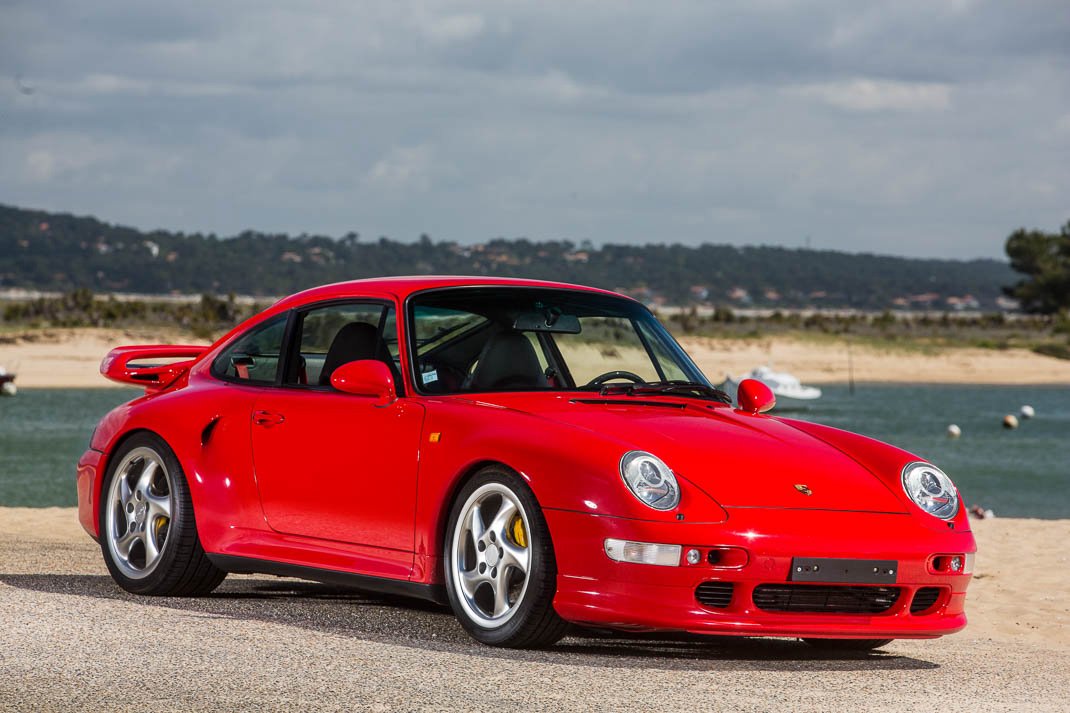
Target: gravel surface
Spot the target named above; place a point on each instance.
(70, 639)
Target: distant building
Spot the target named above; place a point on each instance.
(1007, 303)
(738, 294)
(964, 302)
(925, 299)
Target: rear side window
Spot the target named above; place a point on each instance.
(254, 357)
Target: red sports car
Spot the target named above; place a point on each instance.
(535, 454)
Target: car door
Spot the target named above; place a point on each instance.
(330, 465)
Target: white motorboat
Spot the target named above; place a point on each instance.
(783, 385)
(7, 383)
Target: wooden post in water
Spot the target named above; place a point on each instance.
(850, 370)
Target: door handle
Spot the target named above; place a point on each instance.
(267, 418)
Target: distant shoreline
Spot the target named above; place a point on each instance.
(826, 361)
(70, 358)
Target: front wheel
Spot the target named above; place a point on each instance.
(147, 531)
(500, 570)
(847, 644)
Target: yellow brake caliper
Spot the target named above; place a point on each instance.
(517, 530)
(160, 522)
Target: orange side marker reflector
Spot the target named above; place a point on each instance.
(435, 437)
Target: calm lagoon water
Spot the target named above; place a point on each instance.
(1017, 473)
(1020, 473)
(43, 432)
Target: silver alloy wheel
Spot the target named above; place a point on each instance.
(490, 566)
(138, 514)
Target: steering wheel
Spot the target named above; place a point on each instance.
(603, 378)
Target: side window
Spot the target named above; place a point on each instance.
(334, 335)
(254, 356)
(390, 339)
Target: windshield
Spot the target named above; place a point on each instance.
(525, 339)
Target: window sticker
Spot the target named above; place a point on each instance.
(429, 376)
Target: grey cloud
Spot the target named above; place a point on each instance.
(914, 127)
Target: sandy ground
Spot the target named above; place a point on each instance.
(71, 358)
(71, 640)
(58, 358)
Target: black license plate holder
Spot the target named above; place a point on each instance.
(843, 571)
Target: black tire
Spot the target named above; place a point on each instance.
(181, 569)
(532, 623)
(847, 644)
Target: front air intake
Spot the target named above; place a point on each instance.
(924, 599)
(825, 599)
(715, 595)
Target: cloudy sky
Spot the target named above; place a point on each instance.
(922, 128)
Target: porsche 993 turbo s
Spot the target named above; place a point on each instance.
(532, 454)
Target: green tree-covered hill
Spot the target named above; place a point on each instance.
(55, 251)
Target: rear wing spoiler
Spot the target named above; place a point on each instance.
(140, 365)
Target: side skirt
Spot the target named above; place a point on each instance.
(381, 585)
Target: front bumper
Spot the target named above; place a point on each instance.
(595, 590)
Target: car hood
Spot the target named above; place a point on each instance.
(740, 460)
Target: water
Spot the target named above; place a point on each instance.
(43, 432)
(1017, 473)
(1020, 473)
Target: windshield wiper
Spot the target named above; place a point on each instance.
(692, 389)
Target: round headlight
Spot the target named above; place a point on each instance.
(931, 490)
(650, 480)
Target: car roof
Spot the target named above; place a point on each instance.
(404, 285)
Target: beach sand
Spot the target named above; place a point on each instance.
(71, 358)
(825, 362)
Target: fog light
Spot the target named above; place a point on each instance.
(694, 556)
(643, 552)
(951, 564)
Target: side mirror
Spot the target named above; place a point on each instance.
(754, 397)
(366, 377)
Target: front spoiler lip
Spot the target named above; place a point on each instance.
(628, 607)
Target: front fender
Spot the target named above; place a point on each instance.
(567, 468)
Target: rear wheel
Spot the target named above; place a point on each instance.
(847, 644)
(147, 531)
(500, 570)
